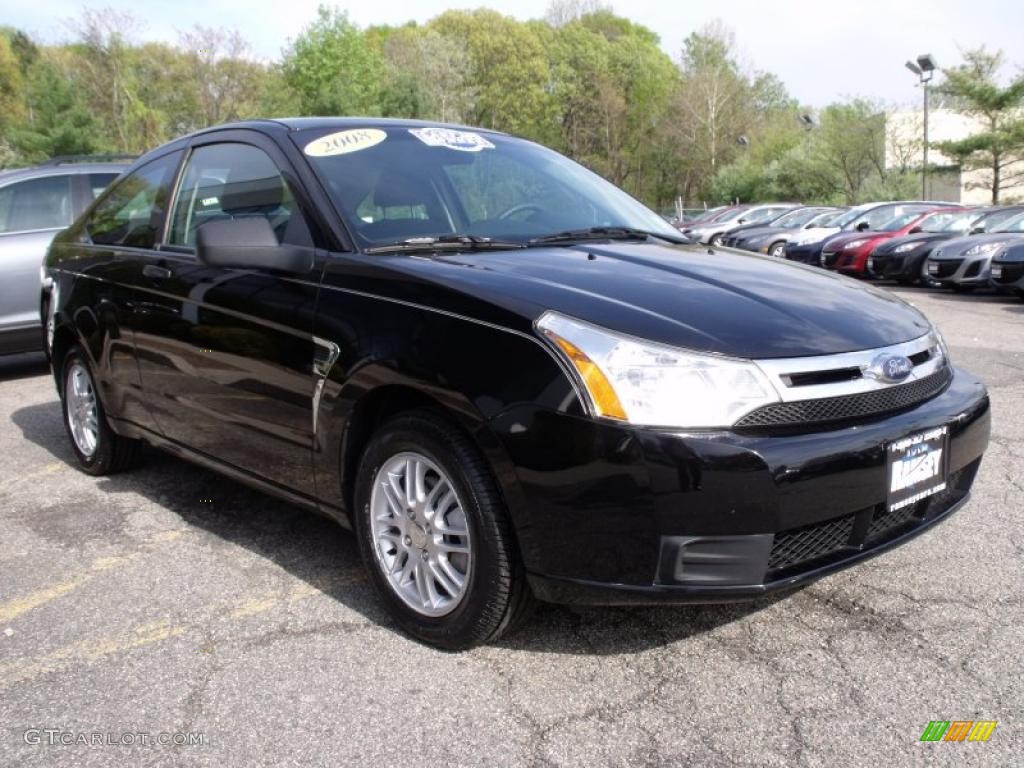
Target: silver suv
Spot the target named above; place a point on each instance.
(35, 204)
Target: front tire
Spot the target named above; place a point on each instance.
(435, 536)
(716, 241)
(778, 250)
(99, 450)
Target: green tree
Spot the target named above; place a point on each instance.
(998, 148)
(508, 67)
(60, 121)
(332, 68)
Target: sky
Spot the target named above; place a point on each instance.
(823, 50)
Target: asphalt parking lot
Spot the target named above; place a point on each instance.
(173, 601)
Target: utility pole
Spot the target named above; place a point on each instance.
(924, 68)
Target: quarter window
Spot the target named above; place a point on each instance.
(43, 203)
(235, 181)
(133, 210)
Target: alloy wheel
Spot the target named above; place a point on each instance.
(420, 534)
(80, 404)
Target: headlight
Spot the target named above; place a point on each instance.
(853, 244)
(806, 240)
(641, 382)
(977, 250)
(905, 247)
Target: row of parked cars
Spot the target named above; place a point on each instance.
(933, 244)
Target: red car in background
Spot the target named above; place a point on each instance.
(848, 252)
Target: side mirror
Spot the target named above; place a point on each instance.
(741, 221)
(977, 231)
(862, 226)
(249, 243)
(914, 230)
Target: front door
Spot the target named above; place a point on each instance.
(226, 355)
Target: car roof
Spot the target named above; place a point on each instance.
(63, 169)
(341, 123)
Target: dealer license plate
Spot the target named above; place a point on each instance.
(997, 271)
(918, 467)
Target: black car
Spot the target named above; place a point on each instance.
(504, 373)
(1007, 271)
(903, 259)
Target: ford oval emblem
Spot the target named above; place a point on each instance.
(890, 368)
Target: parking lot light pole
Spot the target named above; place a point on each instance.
(924, 68)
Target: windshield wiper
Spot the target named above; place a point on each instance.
(444, 243)
(602, 233)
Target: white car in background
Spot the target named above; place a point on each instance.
(713, 232)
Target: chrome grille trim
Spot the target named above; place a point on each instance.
(780, 369)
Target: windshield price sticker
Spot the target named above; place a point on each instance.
(343, 142)
(463, 141)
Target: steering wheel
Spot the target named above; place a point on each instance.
(508, 213)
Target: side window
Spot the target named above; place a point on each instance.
(98, 182)
(235, 181)
(43, 203)
(132, 211)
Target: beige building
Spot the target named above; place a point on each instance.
(904, 144)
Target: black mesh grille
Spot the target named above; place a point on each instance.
(1011, 273)
(946, 268)
(809, 546)
(828, 258)
(885, 522)
(974, 270)
(810, 542)
(847, 407)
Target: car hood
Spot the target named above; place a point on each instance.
(955, 248)
(755, 232)
(712, 300)
(817, 233)
(838, 241)
(893, 243)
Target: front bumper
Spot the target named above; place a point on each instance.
(896, 266)
(610, 515)
(972, 270)
(805, 254)
(1010, 277)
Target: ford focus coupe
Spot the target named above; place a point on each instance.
(506, 375)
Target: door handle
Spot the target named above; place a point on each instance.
(154, 272)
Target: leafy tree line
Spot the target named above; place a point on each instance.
(585, 81)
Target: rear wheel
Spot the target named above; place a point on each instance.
(99, 450)
(715, 240)
(778, 250)
(435, 535)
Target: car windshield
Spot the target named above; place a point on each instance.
(850, 215)
(827, 219)
(959, 223)
(938, 221)
(994, 222)
(1016, 224)
(899, 222)
(394, 183)
(795, 218)
(758, 217)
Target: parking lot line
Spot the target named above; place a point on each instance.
(12, 609)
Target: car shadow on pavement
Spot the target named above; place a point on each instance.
(325, 556)
(24, 366)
